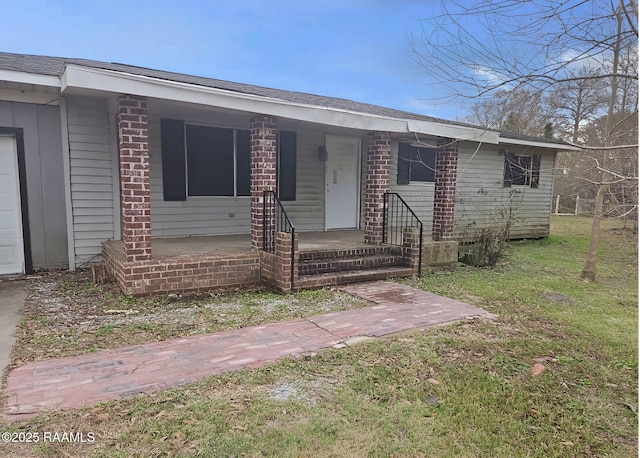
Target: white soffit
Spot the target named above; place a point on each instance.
(39, 98)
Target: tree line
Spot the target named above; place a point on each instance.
(564, 69)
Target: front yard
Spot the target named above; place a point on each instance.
(461, 390)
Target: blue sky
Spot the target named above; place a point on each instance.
(356, 49)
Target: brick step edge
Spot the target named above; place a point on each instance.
(320, 266)
(354, 276)
(350, 252)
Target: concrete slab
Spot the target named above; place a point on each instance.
(12, 297)
(229, 245)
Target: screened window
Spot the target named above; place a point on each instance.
(216, 161)
(416, 164)
(210, 164)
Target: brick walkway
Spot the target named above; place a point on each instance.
(85, 380)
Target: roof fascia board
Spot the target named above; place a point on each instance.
(475, 134)
(547, 145)
(29, 78)
(84, 78)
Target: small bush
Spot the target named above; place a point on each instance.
(486, 245)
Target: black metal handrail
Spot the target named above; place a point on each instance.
(275, 219)
(397, 216)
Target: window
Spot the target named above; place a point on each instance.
(416, 164)
(204, 161)
(216, 161)
(521, 170)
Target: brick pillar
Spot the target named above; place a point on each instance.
(135, 193)
(411, 247)
(284, 268)
(376, 184)
(263, 170)
(445, 190)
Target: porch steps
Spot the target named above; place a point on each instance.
(322, 266)
(351, 276)
(342, 266)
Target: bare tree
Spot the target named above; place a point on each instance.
(542, 46)
(578, 101)
(607, 176)
(518, 111)
(532, 45)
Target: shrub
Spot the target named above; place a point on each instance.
(485, 245)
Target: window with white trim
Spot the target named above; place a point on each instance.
(521, 170)
(416, 164)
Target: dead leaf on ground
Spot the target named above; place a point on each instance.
(537, 369)
(543, 359)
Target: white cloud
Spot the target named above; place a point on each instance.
(491, 78)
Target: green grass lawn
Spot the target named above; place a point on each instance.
(463, 390)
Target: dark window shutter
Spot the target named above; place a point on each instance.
(535, 171)
(287, 166)
(173, 160)
(509, 160)
(243, 162)
(404, 162)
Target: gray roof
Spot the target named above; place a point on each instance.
(54, 66)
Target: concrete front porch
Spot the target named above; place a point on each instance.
(201, 263)
(240, 244)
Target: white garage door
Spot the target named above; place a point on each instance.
(11, 246)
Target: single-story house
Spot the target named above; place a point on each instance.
(179, 183)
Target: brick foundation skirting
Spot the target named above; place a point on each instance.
(180, 275)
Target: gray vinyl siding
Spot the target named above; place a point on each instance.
(482, 201)
(45, 179)
(307, 211)
(90, 159)
(419, 196)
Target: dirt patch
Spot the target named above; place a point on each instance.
(557, 298)
(309, 391)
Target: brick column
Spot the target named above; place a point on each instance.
(135, 193)
(284, 268)
(411, 247)
(263, 170)
(445, 190)
(376, 184)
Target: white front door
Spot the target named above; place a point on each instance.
(341, 182)
(11, 246)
